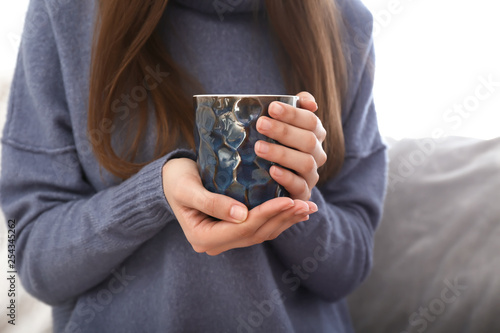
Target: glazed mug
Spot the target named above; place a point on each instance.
(225, 136)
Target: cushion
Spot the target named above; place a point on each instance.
(437, 250)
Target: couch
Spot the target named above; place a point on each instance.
(437, 250)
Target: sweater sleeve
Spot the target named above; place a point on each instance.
(69, 235)
(331, 254)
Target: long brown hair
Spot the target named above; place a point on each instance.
(127, 46)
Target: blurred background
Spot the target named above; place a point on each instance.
(432, 59)
(437, 74)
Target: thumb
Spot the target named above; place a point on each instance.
(183, 177)
(216, 205)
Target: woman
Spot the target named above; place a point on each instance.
(115, 230)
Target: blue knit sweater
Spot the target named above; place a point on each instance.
(109, 256)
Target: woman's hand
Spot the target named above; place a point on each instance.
(301, 135)
(215, 223)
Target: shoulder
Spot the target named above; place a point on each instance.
(58, 15)
(358, 32)
(66, 7)
(358, 112)
(57, 33)
(357, 40)
(50, 75)
(356, 14)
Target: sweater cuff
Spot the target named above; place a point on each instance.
(139, 203)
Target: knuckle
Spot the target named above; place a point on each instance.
(279, 152)
(315, 179)
(322, 159)
(309, 164)
(322, 134)
(209, 204)
(299, 188)
(319, 129)
(303, 186)
(283, 130)
(315, 122)
(310, 142)
(309, 194)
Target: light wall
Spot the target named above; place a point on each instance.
(432, 59)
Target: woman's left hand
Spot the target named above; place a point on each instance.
(301, 135)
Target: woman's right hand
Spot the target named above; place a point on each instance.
(214, 223)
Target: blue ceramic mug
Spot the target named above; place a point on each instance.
(225, 136)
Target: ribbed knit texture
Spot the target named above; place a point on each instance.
(109, 255)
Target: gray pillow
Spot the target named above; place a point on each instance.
(437, 250)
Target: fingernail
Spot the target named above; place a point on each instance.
(290, 205)
(307, 98)
(277, 171)
(264, 124)
(302, 100)
(277, 109)
(238, 213)
(314, 207)
(262, 147)
(302, 212)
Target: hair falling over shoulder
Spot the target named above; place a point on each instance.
(127, 48)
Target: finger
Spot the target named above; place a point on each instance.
(295, 185)
(283, 220)
(284, 228)
(298, 117)
(313, 207)
(300, 217)
(307, 101)
(301, 214)
(293, 137)
(292, 115)
(304, 164)
(218, 235)
(194, 195)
